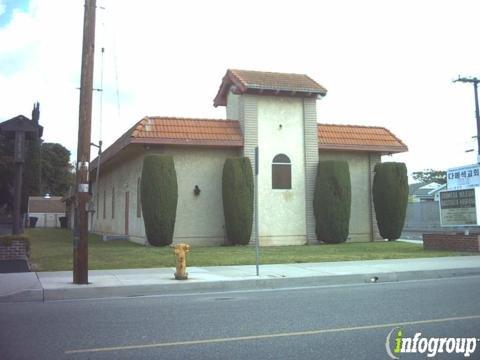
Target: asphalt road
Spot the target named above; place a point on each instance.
(344, 322)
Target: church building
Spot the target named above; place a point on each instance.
(275, 112)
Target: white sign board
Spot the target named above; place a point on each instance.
(463, 177)
(460, 207)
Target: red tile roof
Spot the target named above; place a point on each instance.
(181, 131)
(247, 81)
(156, 130)
(358, 138)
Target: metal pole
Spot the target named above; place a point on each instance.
(257, 243)
(475, 82)
(80, 243)
(477, 116)
(95, 194)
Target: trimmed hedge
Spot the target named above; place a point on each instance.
(390, 197)
(332, 201)
(159, 193)
(237, 193)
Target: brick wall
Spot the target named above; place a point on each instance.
(455, 242)
(14, 250)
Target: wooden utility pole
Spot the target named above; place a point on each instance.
(475, 82)
(82, 196)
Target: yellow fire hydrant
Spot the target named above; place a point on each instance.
(180, 251)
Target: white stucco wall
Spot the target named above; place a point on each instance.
(281, 212)
(199, 219)
(362, 210)
(233, 107)
(124, 179)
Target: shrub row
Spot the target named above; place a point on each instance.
(332, 199)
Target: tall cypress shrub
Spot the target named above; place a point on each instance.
(332, 201)
(390, 197)
(159, 193)
(237, 193)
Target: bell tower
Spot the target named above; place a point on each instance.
(277, 114)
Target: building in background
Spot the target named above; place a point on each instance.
(48, 210)
(419, 192)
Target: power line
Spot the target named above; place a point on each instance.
(95, 201)
(100, 116)
(115, 64)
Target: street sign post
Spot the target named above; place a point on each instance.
(257, 242)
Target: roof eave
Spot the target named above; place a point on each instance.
(210, 143)
(110, 152)
(228, 80)
(221, 97)
(384, 150)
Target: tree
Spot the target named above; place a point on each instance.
(31, 172)
(237, 194)
(159, 196)
(47, 170)
(430, 175)
(56, 170)
(332, 201)
(390, 197)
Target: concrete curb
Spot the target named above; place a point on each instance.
(177, 287)
(17, 287)
(23, 296)
(51, 286)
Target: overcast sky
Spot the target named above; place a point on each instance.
(384, 63)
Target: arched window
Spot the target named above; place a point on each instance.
(281, 172)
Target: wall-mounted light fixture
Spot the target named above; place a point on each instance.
(196, 190)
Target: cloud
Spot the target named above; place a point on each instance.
(9, 9)
(384, 64)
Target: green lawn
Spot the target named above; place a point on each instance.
(51, 250)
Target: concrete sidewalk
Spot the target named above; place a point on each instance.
(45, 286)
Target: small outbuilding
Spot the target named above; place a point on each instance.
(48, 211)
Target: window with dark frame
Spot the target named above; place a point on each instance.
(139, 199)
(104, 204)
(113, 202)
(97, 209)
(281, 172)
